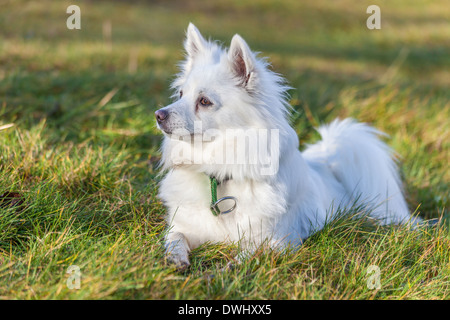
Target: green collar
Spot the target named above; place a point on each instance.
(213, 184)
(215, 210)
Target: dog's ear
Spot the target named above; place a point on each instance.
(194, 42)
(241, 59)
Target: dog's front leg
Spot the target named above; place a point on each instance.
(177, 250)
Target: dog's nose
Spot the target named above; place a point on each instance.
(161, 115)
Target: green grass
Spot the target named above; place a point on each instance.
(79, 146)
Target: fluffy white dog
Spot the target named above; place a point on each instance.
(234, 169)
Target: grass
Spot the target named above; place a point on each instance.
(79, 147)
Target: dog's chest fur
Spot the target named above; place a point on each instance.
(190, 213)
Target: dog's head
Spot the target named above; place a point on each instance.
(216, 88)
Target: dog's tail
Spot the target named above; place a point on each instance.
(364, 165)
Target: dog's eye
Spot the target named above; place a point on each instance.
(205, 102)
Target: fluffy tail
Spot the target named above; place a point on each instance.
(363, 164)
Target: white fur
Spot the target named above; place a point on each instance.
(349, 166)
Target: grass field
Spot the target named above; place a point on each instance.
(79, 145)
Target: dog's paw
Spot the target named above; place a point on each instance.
(181, 262)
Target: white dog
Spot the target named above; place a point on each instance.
(235, 172)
